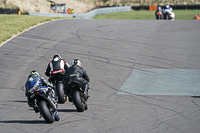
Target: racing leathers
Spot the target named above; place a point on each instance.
(159, 12)
(35, 82)
(80, 77)
(57, 65)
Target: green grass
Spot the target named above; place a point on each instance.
(148, 15)
(14, 24)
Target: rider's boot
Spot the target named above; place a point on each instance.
(86, 90)
(36, 109)
(32, 104)
(69, 95)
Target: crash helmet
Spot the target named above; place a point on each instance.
(35, 72)
(57, 56)
(159, 8)
(167, 6)
(76, 62)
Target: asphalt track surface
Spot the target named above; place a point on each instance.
(109, 50)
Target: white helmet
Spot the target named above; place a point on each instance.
(159, 8)
(56, 57)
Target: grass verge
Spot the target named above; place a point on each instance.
(14, 24)
(148, 15)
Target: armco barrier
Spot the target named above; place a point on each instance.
(88, 15)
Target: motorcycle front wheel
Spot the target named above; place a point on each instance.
(44, 110)
(167, 17)
(159, 17)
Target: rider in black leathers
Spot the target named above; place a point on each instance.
(81, 75)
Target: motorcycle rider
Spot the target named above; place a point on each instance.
(57, 65)
(167, 10)
(81, 75)
(159, 9)
(35, 81)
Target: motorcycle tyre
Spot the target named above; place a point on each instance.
(45, 112)
(159, 17)
(167, 17)
(60, 93)
(77, 101)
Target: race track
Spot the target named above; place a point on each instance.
(121, 57)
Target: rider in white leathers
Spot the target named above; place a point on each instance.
(169, 11)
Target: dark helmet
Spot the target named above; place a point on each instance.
(35, 72)
(57, 55)
(76, 62)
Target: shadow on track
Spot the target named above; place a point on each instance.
(24, 121)
(195, 96)
(21, 101)
(67, 110)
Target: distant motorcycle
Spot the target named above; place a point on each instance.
(159, 15)
(58, 77)
(76, 95)
(46, 103)
(168, 14)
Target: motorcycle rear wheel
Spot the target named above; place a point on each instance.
(45, 112)
(60, 92)
(77, 101)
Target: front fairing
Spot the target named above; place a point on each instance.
(159, 13)
(167, 11)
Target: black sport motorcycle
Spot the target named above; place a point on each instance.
(46, 103)
(76, 95)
